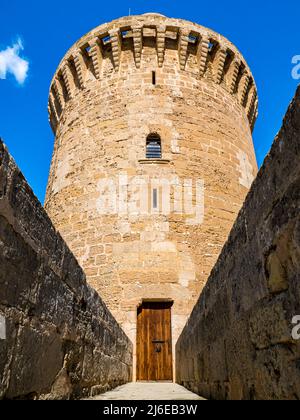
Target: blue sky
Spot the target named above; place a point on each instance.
(267, 32)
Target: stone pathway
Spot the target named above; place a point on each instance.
(149, 391)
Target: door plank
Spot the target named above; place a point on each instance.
(154, 323)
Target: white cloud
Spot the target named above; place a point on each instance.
(11, 62)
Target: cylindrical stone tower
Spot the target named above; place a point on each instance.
(153, 158)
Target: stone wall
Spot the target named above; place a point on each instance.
(103, 104)
(238, 341)
(61, 340)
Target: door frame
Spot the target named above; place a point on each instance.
(170, 302)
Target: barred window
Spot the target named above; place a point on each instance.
(153, 147)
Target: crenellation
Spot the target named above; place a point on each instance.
(233, 75)
(210, 46)
(238, 343)
(80, 67)
(161, 39)
(147, 83)
(203, 55)
(96, 57)
(59, 91)
(138, 44)
(54, 104)
(221, 57)
(53, 119)
(183, 47)
(243, 86)
(68, 79)
(247, 94)
(153, 161)
(116, 47)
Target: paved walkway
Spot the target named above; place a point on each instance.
(149, 391)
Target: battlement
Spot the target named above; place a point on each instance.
(216, 58)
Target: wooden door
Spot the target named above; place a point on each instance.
(154, 342)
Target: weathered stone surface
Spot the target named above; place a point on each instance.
(239, 335)
(61, 340)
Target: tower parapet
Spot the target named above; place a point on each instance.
(202, 53)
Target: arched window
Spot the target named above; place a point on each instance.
(153, 147)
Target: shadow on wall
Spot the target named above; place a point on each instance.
(57, 338)
(238, 342)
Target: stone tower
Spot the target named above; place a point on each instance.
(153, 158)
